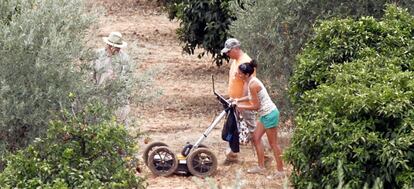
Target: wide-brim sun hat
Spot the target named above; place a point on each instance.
(115, 39)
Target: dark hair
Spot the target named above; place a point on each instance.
(248, 67)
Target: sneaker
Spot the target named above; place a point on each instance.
(256, 170)
(276, 175)
(230, 155)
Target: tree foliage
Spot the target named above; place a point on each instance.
(45, 75)
(45, 68)
(204, 24)
(39, 41)
(275, 31)
(84, 150)
(354, 92)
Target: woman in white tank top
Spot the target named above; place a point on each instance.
(260, 101)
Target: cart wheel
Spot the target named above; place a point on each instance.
(149, 149)
(162, 161)
(201, 162)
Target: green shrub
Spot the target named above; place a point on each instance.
(76, 154)
(43, 60)
(39, 42)
(354, 92)
(45, 74)
(275, 31)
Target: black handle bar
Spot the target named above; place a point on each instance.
(222, 100)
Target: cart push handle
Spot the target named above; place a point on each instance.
(226, 103)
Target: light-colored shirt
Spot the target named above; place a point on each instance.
(109, 67)
(114, 69)
(235, 89)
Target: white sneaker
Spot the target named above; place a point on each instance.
(256, 170)
(276, 175)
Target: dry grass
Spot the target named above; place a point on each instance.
(128, 5)
(187, 105)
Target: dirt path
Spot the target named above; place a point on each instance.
(187, 105)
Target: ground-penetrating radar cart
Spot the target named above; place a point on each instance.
(195, 159)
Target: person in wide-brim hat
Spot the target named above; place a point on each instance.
(113, 64)
(111, 61)
(115, 39)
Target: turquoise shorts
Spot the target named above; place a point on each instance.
(270, 120)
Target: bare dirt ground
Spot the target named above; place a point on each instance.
(187, 105)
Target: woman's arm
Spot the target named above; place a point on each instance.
(242, 99)
(254, 103)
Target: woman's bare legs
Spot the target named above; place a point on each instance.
(271, 134)
(257, 142)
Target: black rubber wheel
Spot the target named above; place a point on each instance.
(149, 149)
(201, 162)
(162, 161)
